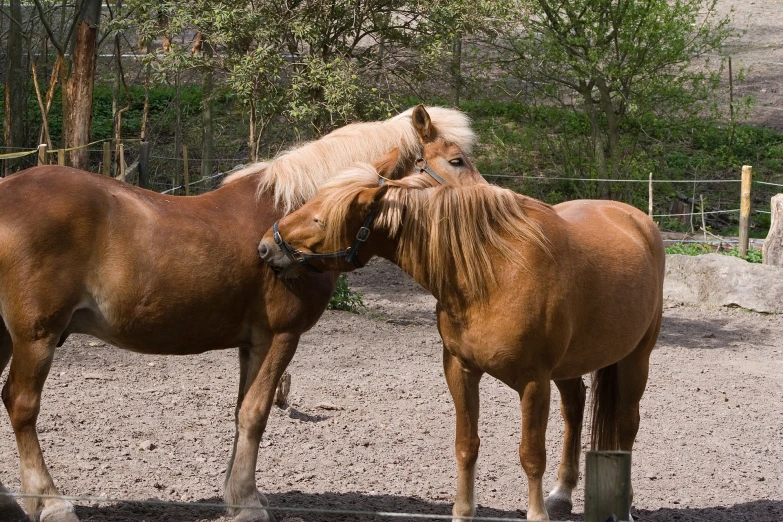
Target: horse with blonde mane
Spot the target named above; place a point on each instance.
(162, 274)
(526, 292)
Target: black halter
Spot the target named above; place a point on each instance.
(351, 253)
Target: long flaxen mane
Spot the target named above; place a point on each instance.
(444, 231)
(296, 175)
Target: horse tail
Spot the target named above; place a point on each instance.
(6, 346)
(605, 393)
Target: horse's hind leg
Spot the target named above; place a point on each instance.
(572, 407)
(632, 374)
(22, 397)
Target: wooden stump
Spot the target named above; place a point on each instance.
(772, 252)
(607, 485)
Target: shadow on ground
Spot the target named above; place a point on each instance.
(707, 334)
(755, 511)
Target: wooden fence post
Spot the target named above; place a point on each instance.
(42, 154)
(607, 485)
(744, 226)
(121, 161)
(106, 165)
(61, 157)
(144, 165)
(185, 172)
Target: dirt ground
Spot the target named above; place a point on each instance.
(710, 445)
(758, 52)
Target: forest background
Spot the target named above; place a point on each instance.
(570, 98)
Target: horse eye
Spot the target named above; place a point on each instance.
(457, 162)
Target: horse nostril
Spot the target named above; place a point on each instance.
(263, 250)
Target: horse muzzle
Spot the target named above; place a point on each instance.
(273, 255)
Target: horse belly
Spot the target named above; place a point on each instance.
(163, 332)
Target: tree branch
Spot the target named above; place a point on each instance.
(52, 38)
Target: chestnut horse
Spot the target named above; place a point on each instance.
(526, 292)
(161, 274)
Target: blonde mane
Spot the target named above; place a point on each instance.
(296, 175)
(443, 231)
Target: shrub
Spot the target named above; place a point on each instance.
(346, 299)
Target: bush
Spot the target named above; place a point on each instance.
(346, 299)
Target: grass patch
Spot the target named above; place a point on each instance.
(697, 249)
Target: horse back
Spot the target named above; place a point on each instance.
(93, 255)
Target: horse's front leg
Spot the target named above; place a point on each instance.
(464, 387)
(262, 366)
(534, 399)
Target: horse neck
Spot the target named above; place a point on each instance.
(416, 267)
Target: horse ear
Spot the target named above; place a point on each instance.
(372, 196)
(423, 124)
(387, 164)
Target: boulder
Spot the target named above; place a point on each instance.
(719, 280)
(773, 245)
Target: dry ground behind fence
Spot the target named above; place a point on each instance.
(709, 447)
(760, 52)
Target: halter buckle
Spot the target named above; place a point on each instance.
(363, 234)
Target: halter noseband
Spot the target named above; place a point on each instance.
(351, 253)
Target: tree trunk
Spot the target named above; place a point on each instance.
(81, 81)
(251, 139)
(178, 115)
(206, 114)
(456, 69)
(15, 86)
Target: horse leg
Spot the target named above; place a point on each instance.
(266, 364)
(572, 407)
(534, 399)
(632, 374)
(463, 384)
(9, 509)
(22, 397)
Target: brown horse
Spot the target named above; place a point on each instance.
(527, 292)
(81, 253)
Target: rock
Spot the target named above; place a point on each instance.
(328, 406)
(146, 445)
(719, 280)
(772, 252)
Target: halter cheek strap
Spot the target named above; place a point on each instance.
(421, 164)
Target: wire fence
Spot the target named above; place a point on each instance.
(170, 187)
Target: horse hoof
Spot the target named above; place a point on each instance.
(558, 507)
(60, 512)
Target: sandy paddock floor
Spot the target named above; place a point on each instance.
(710, 446)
